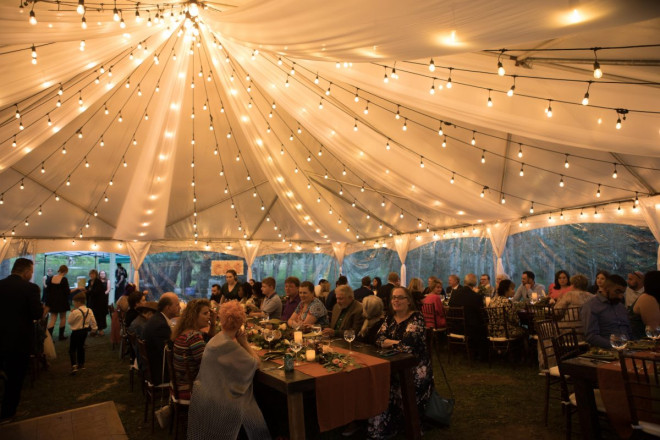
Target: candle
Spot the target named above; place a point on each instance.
(535, 296)
(310, 355)
(297, 337)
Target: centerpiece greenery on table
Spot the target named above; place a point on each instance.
(333, 361)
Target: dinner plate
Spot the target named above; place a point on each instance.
(605, 357)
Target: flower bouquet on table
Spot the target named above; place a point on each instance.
(333, 361)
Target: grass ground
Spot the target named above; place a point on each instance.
(504, 401)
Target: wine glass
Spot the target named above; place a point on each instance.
(269, 335)
(652, 332)
(316, 329)
(296, 347)
(296, 323)
(349, 336)
(618, 341)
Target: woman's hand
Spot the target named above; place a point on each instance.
(389, 343)
(241, 337)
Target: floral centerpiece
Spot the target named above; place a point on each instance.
(333, 361)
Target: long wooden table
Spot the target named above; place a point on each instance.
(584, 374)
(295, 384)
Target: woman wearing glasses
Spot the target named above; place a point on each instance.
(403, 331)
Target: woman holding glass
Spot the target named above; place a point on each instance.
(222, 399)
(404, 331)
(645, 311)
(310, 311)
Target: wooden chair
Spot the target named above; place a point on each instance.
(149, 388)
(134, 367)
(546, 330)
(433, 333)
(456, 334)
(641, 377)
(124, 343)
(569, 319)
(567, 346)
(500, 338)
(180, 405)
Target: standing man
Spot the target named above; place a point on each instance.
(605, 314)
(385, 292)
(121, 277)
(291, 288)
(157, 332)
(364, 290)
(20, 307)
(528, 286)
(635, 287)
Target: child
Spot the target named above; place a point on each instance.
(81, 320)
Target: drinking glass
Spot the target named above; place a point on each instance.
(295, 347)
(349, 336)
(618, 341)
(296, 323)
(269, 336)
(653, 332)
(316, 329)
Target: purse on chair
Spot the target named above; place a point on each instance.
(439, 409)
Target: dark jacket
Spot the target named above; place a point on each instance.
(353, 318)
(385, 293)
(472, 304)
(362, 293)
(20, 306)
(156, 334)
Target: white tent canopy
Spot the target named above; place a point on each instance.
(215, 126)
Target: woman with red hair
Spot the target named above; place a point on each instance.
(222, 398)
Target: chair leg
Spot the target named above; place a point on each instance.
(547, 398)
(569, 413)
(153, 410)
(146, 405)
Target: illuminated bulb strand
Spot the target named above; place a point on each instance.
(472, 143)
(310, 154)
(427, 116)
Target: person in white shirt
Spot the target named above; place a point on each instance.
(635, 287)
(528, 287)
(81, 321)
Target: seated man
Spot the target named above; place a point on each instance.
(291, 288)
(271, 305)
(605, 314)
(472, 303)
(454, 285)
(485, 287)
(527, 287)
(347, 313)
(364, 290)
(157, 332)
(635, 287)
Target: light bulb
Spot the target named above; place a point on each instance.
(490, 102)
(520, 152)
(614, 173)
(531, 208)
(522, 171)
(83, 23)
(500, 69)
(511, 90)
(483, 157)
(597, 72)
(34, 57)
(561, 182)
(115, 14)
(618, 123)
(432, 65)
(566, 164)
(33, 18)
(585, 100)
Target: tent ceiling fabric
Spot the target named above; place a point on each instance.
(160, 136)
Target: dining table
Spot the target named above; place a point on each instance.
(294, 385)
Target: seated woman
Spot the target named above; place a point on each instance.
(222, 398)
(601, 276)
(645, 311)
(435, 297)
(311, 310)
(372, 310)
(416, 287)
(134, 300)
(244, 292)
(506, 290)
(253, 303)
(404, 330)
(189, 343)
(573, 298)
(561, 285)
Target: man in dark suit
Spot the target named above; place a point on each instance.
(385, 292)
(20, 307)
(454, 285)
(472, 304)
(157, 332)
(347, 313)
(364, 290)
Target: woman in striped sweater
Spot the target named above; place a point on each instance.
(195, 326)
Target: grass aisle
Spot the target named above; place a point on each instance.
(491, 403)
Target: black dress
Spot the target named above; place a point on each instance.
(98, 302)
(57, 296)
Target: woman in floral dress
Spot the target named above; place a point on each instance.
(403, 331)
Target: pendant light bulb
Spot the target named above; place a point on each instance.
(81, 7)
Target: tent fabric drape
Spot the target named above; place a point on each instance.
(402, 244)
(651, 211)
(339, 250)
(137, 251)
(498, 233)
(4, 248)
(250, 252)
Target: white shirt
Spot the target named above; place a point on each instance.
(75, 319)
(632, 295)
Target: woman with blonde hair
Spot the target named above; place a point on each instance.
(222, 399)
(416, 287)
(189, 343)
(372, 310)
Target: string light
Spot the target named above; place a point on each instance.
(490, 101)
(449, 83)
(405, 125)
(598, 192)
(34, 55)
(474, 140)
(561, 182)
(585, 100)
(502, 201)
(33, 17)
(500, 67)
(483, 192)
(452, 178)
(444, 142)
(432, 65)
(81, 7)
(520, 152)
(598, 73)
(483, 156)
(531, 208)
(432, 90)
(566, 164)
(548, 110)
(513, 87)
(522, 172)
(614, 173)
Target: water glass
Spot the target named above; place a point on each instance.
(296, 347)
(349, 336)
(618, 341)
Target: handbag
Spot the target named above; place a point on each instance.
(49, 347)
(439, 409)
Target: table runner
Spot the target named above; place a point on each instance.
(344, 396)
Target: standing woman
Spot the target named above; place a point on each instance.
(376, 284)
(57, 299)
(96, 300)
(222, 398)
(103, 276)
(229, 290)
(404, 331)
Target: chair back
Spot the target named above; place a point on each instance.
(641, 378)
(541, 312)
(455, 320)
(565, 346)
(497, 322)
(144, 361)
(174, 384)
(569, 319)
(428, 310)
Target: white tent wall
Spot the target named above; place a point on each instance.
(219, 146)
